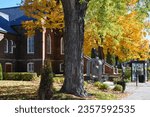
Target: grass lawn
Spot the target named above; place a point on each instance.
(27, 90)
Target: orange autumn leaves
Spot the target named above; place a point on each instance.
(131, 44)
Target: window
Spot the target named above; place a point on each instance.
(30, 67)
(48, 44)
(61, 67)
(12, 46)
(30, 45)
(62, 46)
(8, 67)
(6, 46)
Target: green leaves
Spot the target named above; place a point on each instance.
(106, 13)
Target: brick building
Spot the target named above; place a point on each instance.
(20, 53)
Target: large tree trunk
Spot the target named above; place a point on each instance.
(74, 13)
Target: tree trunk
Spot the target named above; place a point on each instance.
(45, 91)
(74, 13)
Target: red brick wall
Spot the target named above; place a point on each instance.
(108, 70)
(8, 57)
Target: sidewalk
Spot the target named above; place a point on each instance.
(140, 92)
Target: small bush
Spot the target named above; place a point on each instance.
(58, 80)
(117, 88)
(101, 86)
(1, 72)
(98, 84)
(115, 80)
(128, 75)
(104, 87)
(21, 76)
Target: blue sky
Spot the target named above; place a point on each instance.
(9, 3)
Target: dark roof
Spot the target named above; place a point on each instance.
(5, 27)
(16, 16)
(19, 20)
(13, 12)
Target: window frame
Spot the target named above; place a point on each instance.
(12, 46)
(28, 67)
(60, 67)
(62, 46)
(30, 44)
(48, 44)
(6, 46)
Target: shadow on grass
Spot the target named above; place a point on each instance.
(18, 92)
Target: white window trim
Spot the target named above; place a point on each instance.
(6, 46)
(28, 69)
(50, 51)
(11, 46)
(60, 67)
(8, 63)
(28, 45)
(1, 36)
(61, 46)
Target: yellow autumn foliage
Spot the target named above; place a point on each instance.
(91, 40)
(130, 45)
(47, 11)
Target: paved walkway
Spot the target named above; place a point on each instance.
(140, 92)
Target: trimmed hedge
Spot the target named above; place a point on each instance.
(21, 76)
(1, 72)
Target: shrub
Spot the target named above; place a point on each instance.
(127, 74)
(118, 88)
(58, 80)
(98, 84)
(1, 72)
(101, 86)
(104, 87)
(115, 80)
(23, 76)
(123, 84)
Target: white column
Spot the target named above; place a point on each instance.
(43, 45)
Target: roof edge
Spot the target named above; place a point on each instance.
(10, 7)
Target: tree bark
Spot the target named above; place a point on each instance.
(74, 13)
(45, 91)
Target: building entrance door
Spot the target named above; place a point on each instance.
(8, 67)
